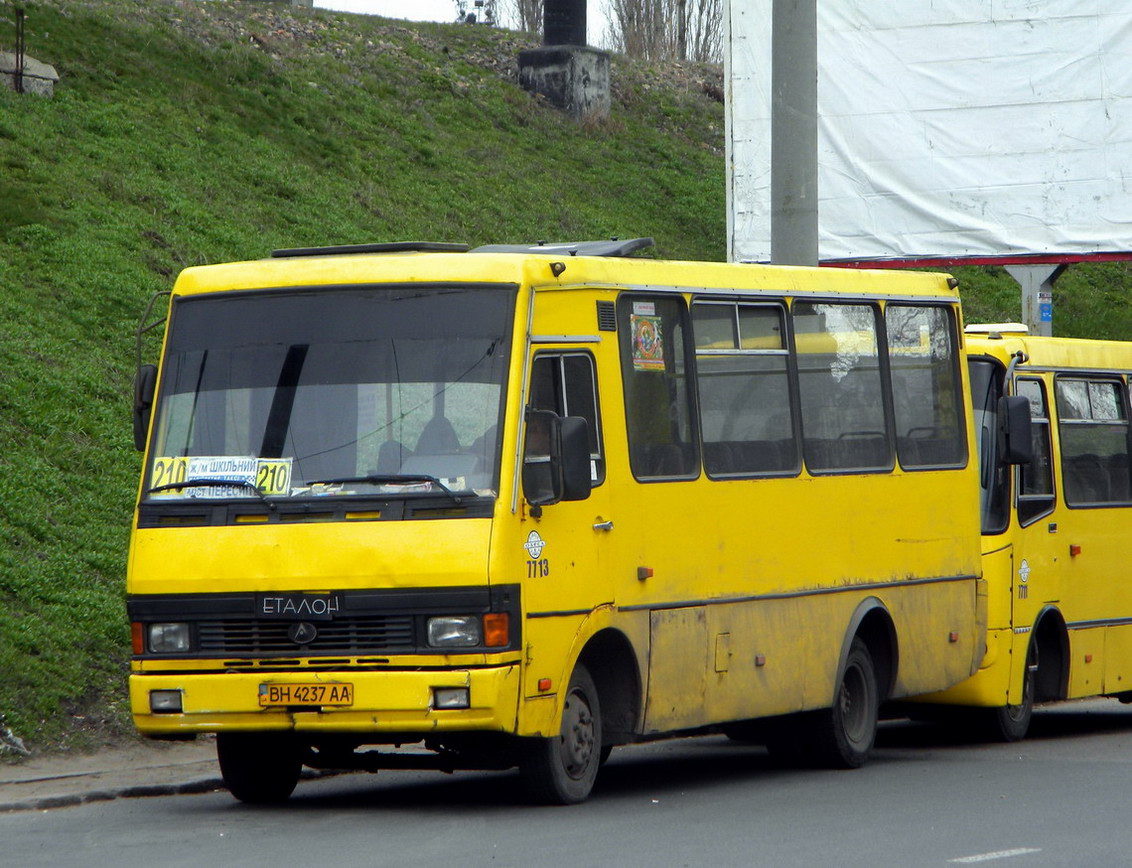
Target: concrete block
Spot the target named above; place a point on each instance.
(574, 78)
(38, 78)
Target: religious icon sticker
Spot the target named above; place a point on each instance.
(648, 338)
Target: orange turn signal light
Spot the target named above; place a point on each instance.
(496, 629)
(137, 637)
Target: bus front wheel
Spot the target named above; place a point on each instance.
(561, 770)
(1012, 722)
(259, 768)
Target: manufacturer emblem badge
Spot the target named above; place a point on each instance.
(534, 544)
(302, 633)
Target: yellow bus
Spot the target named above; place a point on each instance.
(1055, 526)
(410, 505)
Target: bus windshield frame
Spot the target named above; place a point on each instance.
(393, 391)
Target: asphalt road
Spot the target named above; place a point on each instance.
(1061, 798)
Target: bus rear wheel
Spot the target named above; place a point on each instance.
(259, 768)
(843, 736)
(561, 770)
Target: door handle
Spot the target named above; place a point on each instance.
(603, 525)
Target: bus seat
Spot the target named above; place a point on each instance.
(717, 458)
(1121, 485)
(1086, 480)
(390, 456)
(664, 459)
(438, 438)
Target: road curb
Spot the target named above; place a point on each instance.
(135, 791)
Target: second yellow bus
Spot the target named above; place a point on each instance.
(1057, 517)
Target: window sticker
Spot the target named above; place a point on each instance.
(648, 342)
(272, 476)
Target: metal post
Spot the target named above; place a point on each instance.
(1037, 294)
(564, 22)
(794, 133)
(18, 75)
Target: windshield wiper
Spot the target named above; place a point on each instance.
(389, 479)
(209, 483)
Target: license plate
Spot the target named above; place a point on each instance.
(280, 693)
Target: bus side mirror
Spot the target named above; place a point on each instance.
(575, 457)
(144, 383)
(1016, 430)
(556, 458)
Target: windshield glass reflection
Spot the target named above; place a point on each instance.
(333, 391)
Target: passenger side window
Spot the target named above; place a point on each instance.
(742, 378)
(658, 405)
(565, 383)
(841, 388)
(1093, 429)
(1035, 480)
(924, 367)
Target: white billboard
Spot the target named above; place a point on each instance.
(948, 130)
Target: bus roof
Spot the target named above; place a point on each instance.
(1045, 353)
(558, 266)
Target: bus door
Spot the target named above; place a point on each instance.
(1093, 431)
(1037, 576)
(566, 543)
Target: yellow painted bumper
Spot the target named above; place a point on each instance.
(383, 702)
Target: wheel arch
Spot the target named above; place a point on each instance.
(1050, 636)
(873, 624)
(608, 656)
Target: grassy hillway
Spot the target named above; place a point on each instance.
(193, 131)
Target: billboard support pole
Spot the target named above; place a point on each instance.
(1037, 294)
(794, 133)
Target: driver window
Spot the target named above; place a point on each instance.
(565, 383)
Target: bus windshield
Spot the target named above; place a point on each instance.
(986, 389)
(355, 390)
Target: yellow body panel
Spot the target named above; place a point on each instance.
(307, 557)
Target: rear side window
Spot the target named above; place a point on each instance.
(926, 390)
(1093, 429)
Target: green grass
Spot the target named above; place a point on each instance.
(191, 132)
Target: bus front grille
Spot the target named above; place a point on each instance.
(357, 635)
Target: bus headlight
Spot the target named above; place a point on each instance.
(168, 638)
(455, 631)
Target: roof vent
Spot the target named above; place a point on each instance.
(606, 317)
(612, 247)
(386, 247)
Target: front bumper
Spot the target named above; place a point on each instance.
(385, 703)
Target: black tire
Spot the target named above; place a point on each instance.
(606, 750)
(259, 768)
(561, 770)
(1011, 722)
(842, 736)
